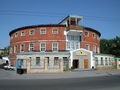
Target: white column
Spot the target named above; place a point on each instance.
(92, 61)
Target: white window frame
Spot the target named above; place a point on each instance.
(55, 31)
(42, 47)
(41, 31)
(93, 35)
(22, 33)
(30, 48)
(68, 45)
(15, 48)
(94, 48)
(87, 34)
(54, 47)
(32, 33)
(16, 34)
(22, 47)
(72, 45)
(88, 46)
(77, 44)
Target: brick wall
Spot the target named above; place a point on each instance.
(48, 38)
(90, 40)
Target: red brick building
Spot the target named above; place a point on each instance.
(65, 37)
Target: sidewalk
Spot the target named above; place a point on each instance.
(80, 74)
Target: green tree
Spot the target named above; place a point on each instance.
(111, 46)
(116, 46)
(6, 50)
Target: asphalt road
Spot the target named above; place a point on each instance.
(90, 83)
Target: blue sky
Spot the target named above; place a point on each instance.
(102, 15)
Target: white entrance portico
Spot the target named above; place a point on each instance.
(82, 58)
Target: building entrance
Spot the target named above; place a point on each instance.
(75, 63)
(86, 64)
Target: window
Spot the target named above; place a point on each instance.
(72, 45)
(76, 45)
(43, 47)
(87, 47)
(32, 32)
(22, 48)
(56, 60)
(86, 34)
(75, 38)
(94, 35)
(42, 31)
(54, 31)
(65, 60)
(37, 60)
(31, 47)
(101, 60)
(68, 37)
(15, 48)
(22, 33)
(68, 45)
(95, 49)
(55, 46)
(106, 63)
(16, 34)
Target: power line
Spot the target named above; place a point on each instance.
(54, 14)
(29, 14)
(29, 11)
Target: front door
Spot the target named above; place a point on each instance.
(75, 64)
(86, 64)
